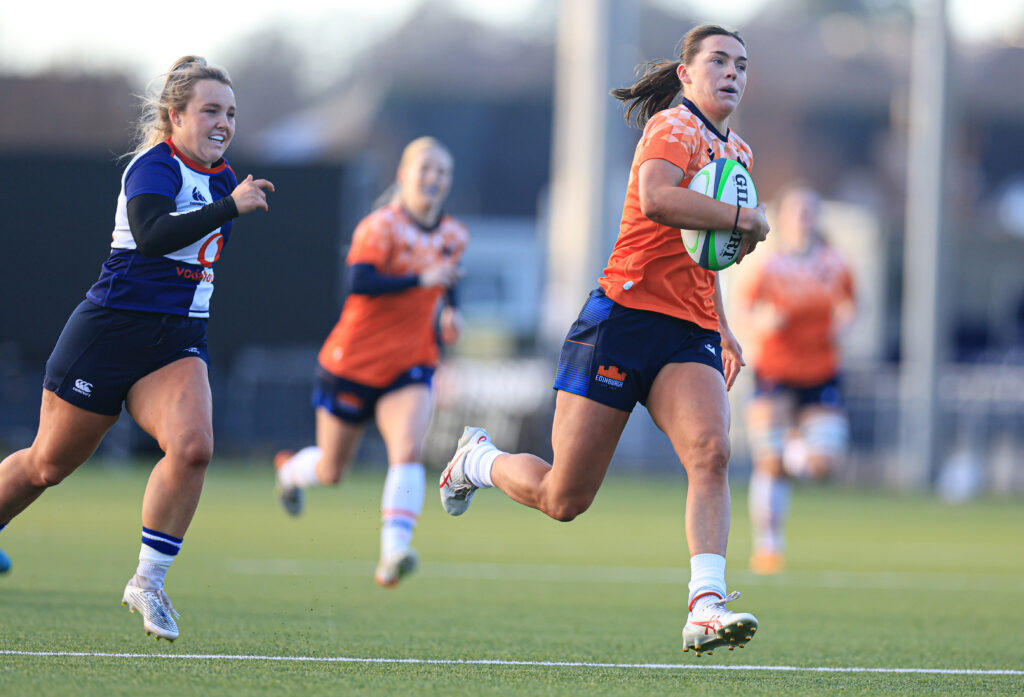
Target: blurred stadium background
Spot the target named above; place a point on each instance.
(911, 128)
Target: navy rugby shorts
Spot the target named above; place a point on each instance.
(354, 402)
(612, 353)
(827, 393)
(103, 352)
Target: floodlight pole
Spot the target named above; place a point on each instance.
(595, 52)
(924, 326)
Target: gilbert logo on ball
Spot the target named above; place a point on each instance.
(729, 182)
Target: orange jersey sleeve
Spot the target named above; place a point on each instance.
(649, 268)
(803, 290)
(379, 337)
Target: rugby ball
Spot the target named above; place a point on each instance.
(727, 181)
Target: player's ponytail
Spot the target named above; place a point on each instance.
(656, 89)
(658, 84)
(154, 124)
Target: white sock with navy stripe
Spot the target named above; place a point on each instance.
(155, 557)
(400, 506)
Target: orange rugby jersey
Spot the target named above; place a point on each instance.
(649, 268)
(377, 338)
(803, 290)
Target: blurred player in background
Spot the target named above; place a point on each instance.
(139, 338)
(654, 332)
(798, 298)
(379, 360)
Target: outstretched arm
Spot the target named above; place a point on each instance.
(158, 228)
(365, 279)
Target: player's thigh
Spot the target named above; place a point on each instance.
(403, 416)
(67, 435)
(175, 406)
(688, 401)
(337, 439)
(584, 436)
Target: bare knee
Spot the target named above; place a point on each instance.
(44, 474)
(330, 470)
(566, 507)
(708, 456)
(330, 476)
(46, 467)
(194, 449)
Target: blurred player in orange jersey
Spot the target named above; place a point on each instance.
(379, 360)
(653, 332)
(798, 299)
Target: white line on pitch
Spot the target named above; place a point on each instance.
(627, 574)
(498, 662)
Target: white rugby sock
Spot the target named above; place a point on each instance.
(479, 462)
(707, 575)
(768, 499)
(300, 470)
(400, 506)
(152, 569)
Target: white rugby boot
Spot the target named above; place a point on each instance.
(456, 489)
(393, 568)
(291, 498)
(155, 608)
(710, 625)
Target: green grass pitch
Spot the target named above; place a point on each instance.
(874, 581)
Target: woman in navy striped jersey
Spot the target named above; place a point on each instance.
(138, 340)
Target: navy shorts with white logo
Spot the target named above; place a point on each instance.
(612, 353)
(355, 402)
(103, 352)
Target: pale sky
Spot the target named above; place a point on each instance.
(142, 38)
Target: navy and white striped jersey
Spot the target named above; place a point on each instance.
(181, 282)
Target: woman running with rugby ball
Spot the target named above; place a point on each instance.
(653, 332)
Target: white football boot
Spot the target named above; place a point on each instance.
(710, 625)
(456, 489)
(392, 569)
(156, 610)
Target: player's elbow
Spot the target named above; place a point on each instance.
(652, 206)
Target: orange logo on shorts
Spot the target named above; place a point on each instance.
(611, 372)
(347, 399)
(610, 375)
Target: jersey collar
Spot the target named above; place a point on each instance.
(696, 112)
(219, 166)
(411, 219)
